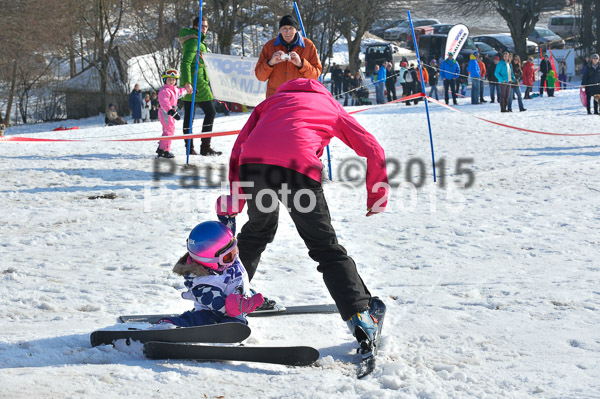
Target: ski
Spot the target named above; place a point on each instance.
(287, 355)
(368, 350)
(277, 311)
(217, 333)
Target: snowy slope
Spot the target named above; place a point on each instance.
(492, 291)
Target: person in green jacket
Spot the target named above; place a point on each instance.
(188, 37)
(551, 82)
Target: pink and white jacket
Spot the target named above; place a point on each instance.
(168, 96)
(291, 129)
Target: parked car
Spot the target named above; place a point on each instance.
(504, 42)
(546, 38)
(550, 5)
(379, 27)
(565, 26)
(485, 49)
(434, 46)
(441, 28)
(376, 53)
(401, 31)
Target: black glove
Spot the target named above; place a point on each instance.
(174, 114)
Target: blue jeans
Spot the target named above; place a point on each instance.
(475, 90)
(494, 88)
(379, 93)
(434, 90)
(515, 90)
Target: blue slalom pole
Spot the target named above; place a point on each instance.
(304, 35)
(423, 92)
(189, 141)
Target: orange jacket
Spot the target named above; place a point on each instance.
(278, 74)
(425, 75)
(482, 69)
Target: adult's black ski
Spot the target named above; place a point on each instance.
(286, 355)
(277, 311)
(217, 333)
(368, 349)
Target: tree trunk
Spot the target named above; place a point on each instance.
(597, 18)
(587, 35)
(11, 95)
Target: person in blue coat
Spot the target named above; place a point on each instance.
(505, 76)
(135, 103)
(449, 71)
(475, 72)
(378, 78)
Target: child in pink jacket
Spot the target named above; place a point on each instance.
(167, 99)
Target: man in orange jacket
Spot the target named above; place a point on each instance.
(286, 57)
(483, 75)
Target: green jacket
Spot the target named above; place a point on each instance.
(551, 79)
(188, 37)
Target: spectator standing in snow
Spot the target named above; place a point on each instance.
(146, 104)
(154, 107)
(378, 79)
(338, 77)
(516, 89)
(278, 152)
(449, 71)
(188, 37)
(463, 79)
(475, 73)
(401, 71)
(545, 67)
(390, 83)
(286, 57)
(346, 83)
(433, 79)
(551, 81)
(591, 81)
(505, 76)
(482, 74)
(562, 74)
(135, 103)
(528, 77)
(493, 81)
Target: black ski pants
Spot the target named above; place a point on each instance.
(308, 209)
(207, 124)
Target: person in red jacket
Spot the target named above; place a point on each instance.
(528, 77)
(286, 57)
(276, 158)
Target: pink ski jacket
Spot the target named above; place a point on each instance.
(168, 96)
(292, 127)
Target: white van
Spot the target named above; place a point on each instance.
(565, 26)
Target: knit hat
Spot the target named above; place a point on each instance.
(450, 53)
(595, 55)
(497, 58)
(288, 20)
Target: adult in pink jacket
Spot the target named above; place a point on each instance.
(276, 158)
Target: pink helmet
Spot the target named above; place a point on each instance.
(212, 245)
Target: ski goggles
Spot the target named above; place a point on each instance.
(225, 259)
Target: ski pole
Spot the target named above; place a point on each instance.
(189, 141)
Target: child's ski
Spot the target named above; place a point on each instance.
(277, 311)
(217, 333)
(287, 355)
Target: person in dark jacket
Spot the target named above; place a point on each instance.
(154, 106)
(493, 81)
(135, 103)
(545, 67)
(390, 83)
(434, 75)
(346, 82)
(337, 75)
(449, 71)
(591, 81)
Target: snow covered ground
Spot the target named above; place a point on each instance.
(492, 290)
